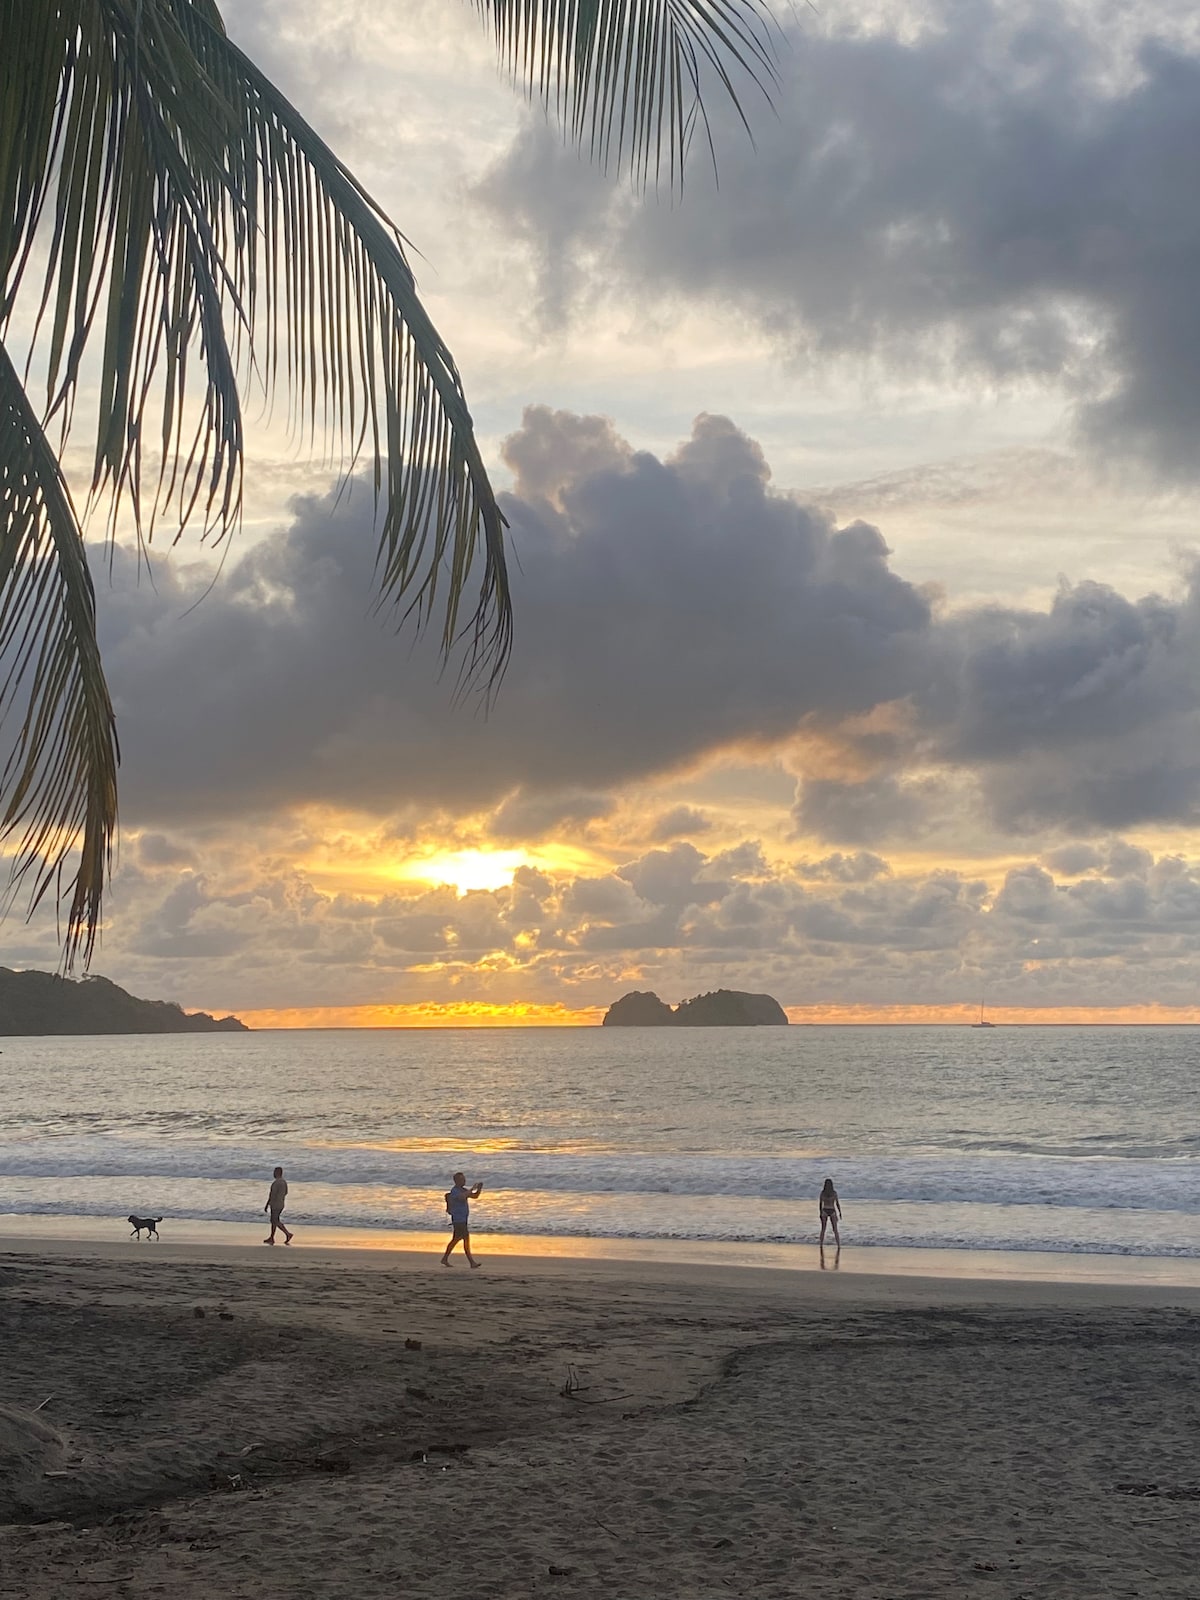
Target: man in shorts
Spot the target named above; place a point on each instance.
(275, 1204)
(458, 1205)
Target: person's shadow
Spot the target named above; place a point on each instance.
(837, 1258)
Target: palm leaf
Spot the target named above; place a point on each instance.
(192, 230)
(192, 233)
(60, 775)
(627, 78)
(201, 232)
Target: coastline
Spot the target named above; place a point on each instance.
(406, 1250)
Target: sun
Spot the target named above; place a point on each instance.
(465, 870)
(468, 870)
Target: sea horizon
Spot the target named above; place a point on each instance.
(589, 1019)
(571, 1027)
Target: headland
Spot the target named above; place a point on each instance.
(35, 1003)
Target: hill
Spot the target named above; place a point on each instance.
(723, 1008)
(44, 1003)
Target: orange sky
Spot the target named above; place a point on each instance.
(479, 1015)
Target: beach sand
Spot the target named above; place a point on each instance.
(587, 1428)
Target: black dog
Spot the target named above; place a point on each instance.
(149, 1223)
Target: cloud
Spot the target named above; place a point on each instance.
(157, 850)
(860, 867)
(864, 812)
(671, 878)
(669, 609)
(1115, 858)
(998, 195)
(666, 608)
(744, 860)
(1073, 860)
(526, 818)
(678, 822)
(1082, 717)
(253, 929)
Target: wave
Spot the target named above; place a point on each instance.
(1023, 1180)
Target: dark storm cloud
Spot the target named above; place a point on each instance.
(665, 608)
(1085, 716)
(1005, 195)
(1094, 664)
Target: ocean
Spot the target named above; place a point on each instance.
(1080, 1140)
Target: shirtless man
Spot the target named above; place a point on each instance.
(275, 1204)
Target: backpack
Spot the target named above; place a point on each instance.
(449, 1192)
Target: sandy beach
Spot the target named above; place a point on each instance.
(196, 1421)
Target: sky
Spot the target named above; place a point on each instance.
(853, 506)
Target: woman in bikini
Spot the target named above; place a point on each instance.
(831, 1210)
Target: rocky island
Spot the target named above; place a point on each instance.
(723, 1008)
(34, 1003)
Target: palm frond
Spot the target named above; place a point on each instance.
(201, 232)
(60, 776)
(191, 233)
(626, 78)
(193, 230)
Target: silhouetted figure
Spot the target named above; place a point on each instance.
(458, 1205)
(831, 1210)
(276, 1201)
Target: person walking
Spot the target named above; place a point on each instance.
(458, 1205)
(276, 1200)
(831, 1210)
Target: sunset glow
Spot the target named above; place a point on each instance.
(517, 1015)
(429, 1015)
(883, 709)
(466, 870)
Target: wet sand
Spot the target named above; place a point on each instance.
(344, 1424)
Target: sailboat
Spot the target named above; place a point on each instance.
(983, 1022)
